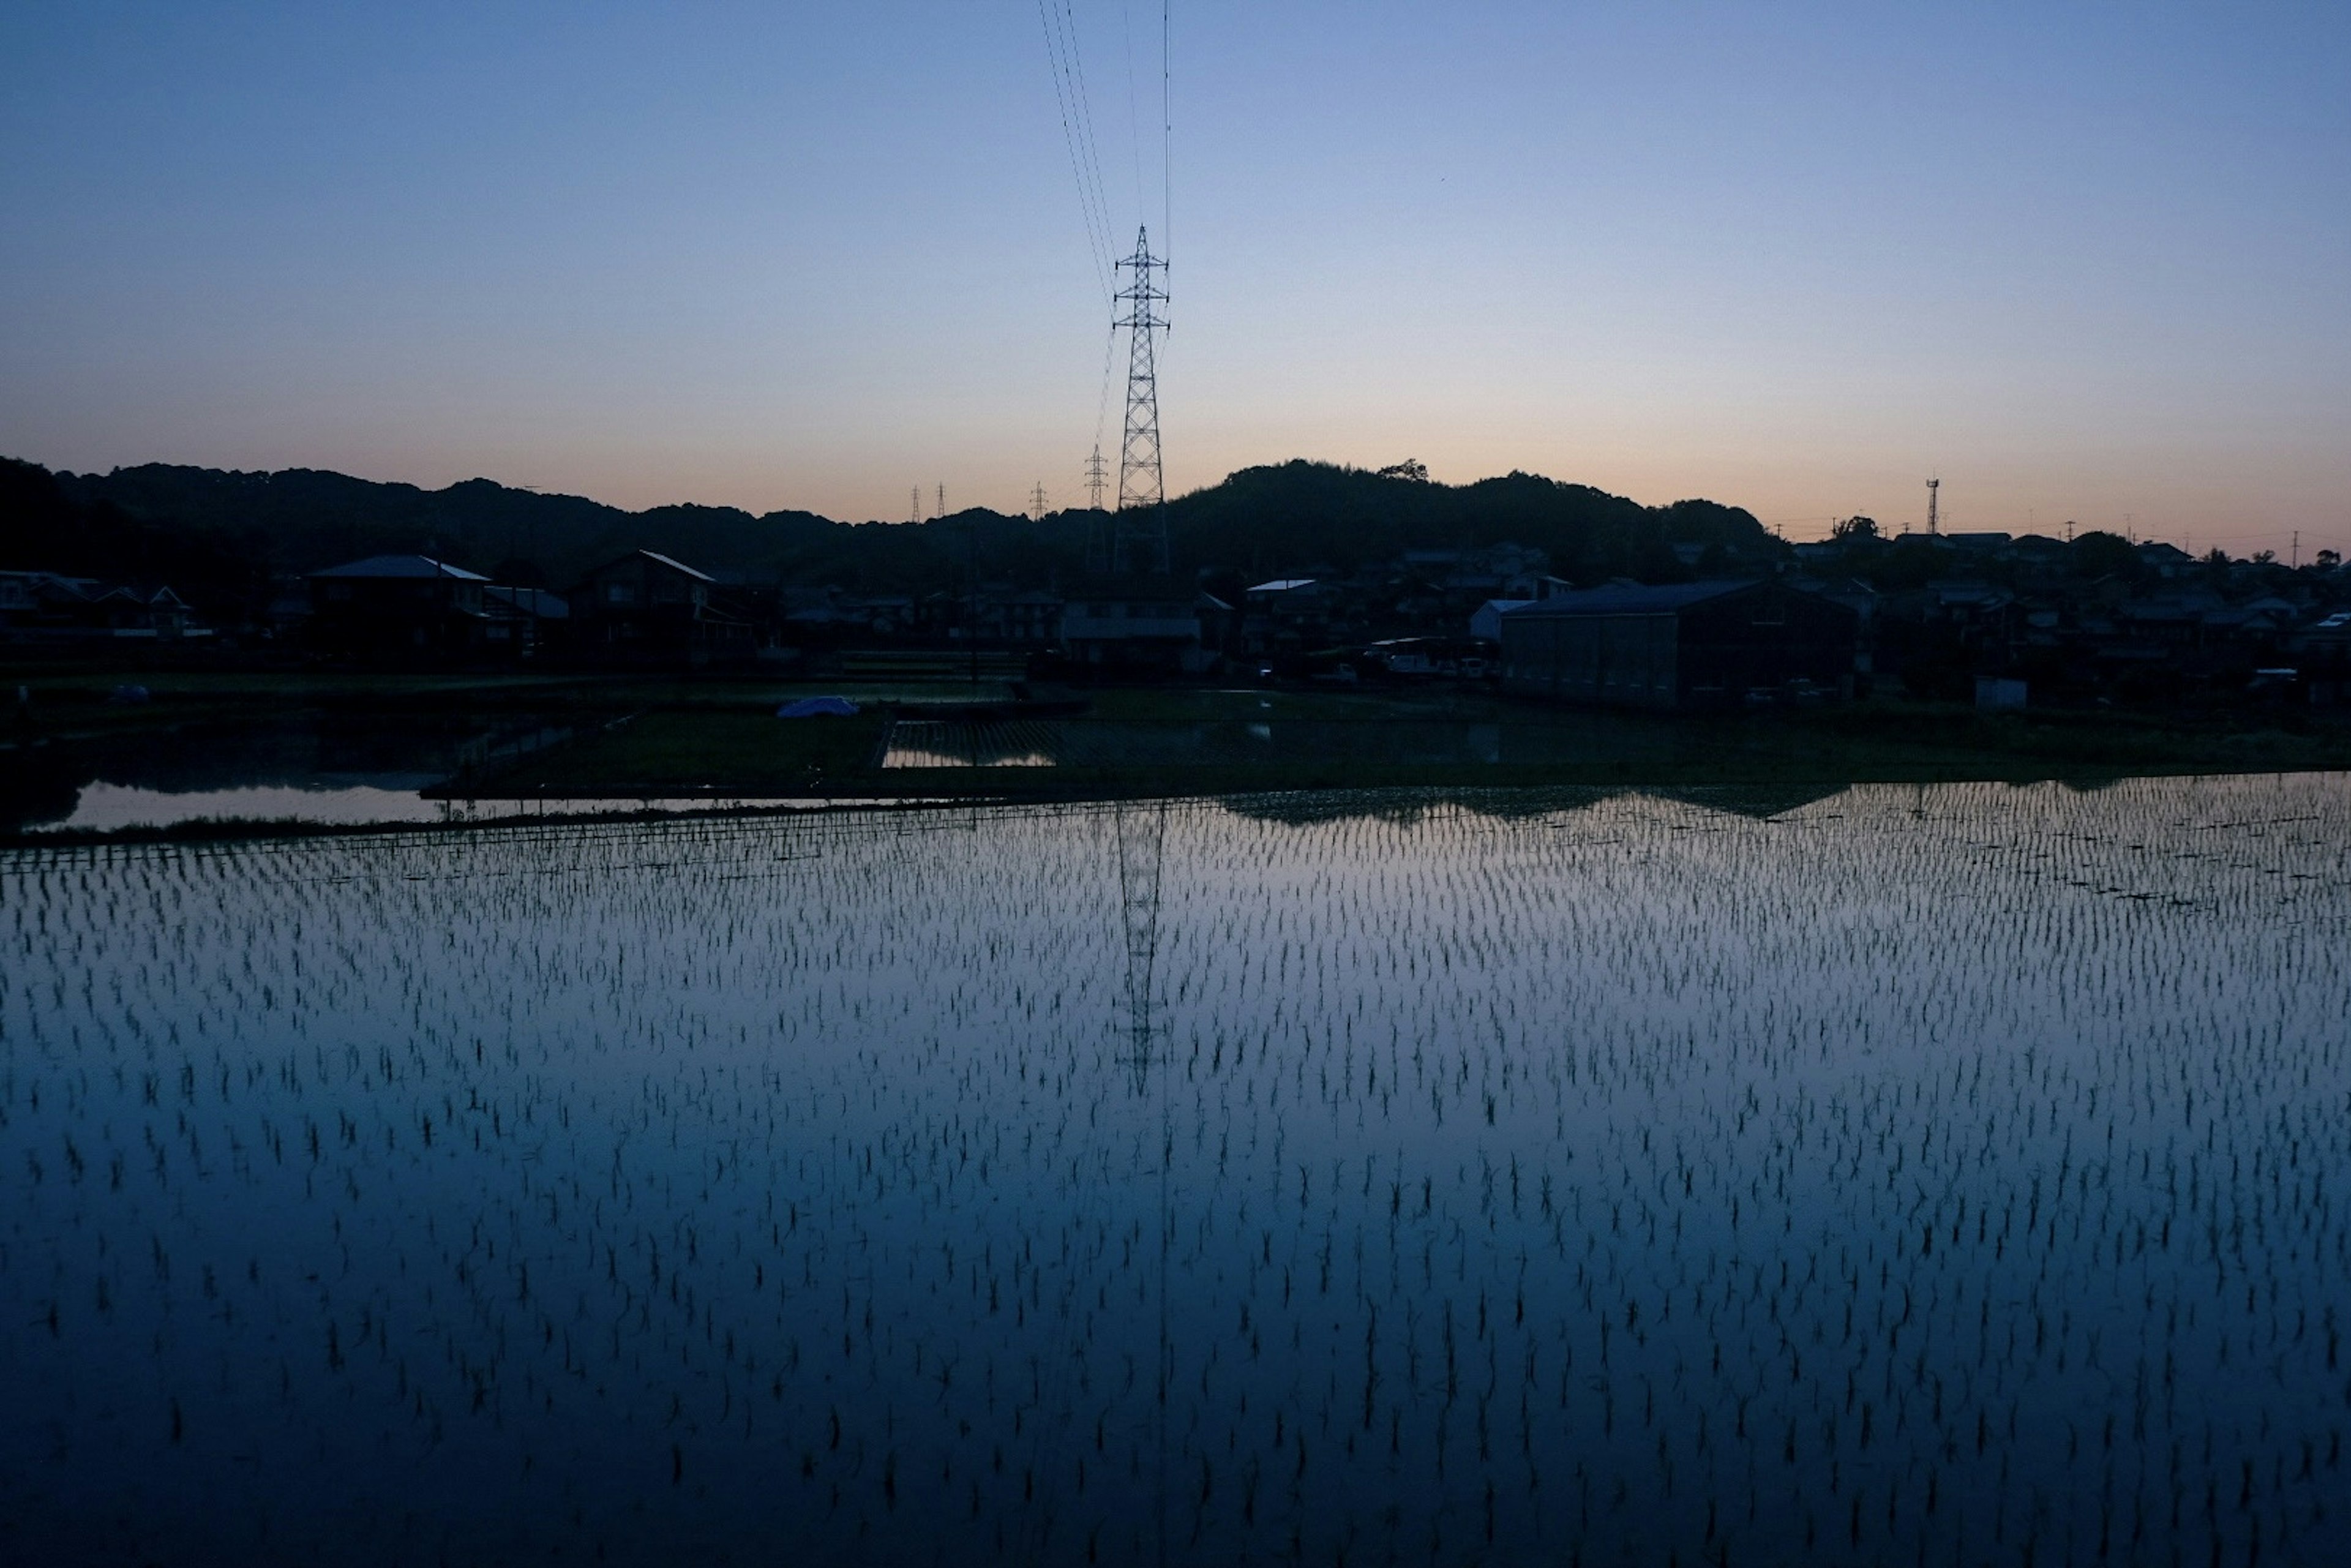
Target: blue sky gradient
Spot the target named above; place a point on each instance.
(2087, 262)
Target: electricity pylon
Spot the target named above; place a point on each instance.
(1139, 532)
(1097, 475)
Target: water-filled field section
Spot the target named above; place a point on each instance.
(1947, 1175)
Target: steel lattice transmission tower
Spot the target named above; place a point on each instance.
(1097, 476)
(1139, 532)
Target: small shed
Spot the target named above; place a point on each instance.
(1678, 645)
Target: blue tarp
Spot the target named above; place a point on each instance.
(818, 707)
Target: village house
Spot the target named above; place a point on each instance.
(646, 606)
(51, 607)
(1156, 624)
(399, 606)
(1681, 645)
(47, 607)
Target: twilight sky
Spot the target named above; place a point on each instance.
(2085, 261)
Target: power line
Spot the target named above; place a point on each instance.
(1166, 144)
(1069, 87)
(1084, 101)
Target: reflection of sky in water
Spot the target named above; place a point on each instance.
(1112, 743)
(1792, 1181)
(104, 808)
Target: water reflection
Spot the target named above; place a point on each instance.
(1113, 742)
(319, 768)
(1950, 1172)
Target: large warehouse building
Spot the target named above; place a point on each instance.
(1680, 645)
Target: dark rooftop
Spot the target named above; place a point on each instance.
(408, 566)
(1631, 599)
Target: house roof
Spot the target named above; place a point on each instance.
(676, 565)
(658, 559)
(402, 566)
(1631, 599)
(1283, 584)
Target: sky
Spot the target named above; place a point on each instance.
(2082, 261)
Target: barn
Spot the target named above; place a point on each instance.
(1678, 645)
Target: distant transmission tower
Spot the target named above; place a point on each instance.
(1139, 533)
(1934, 516)
(914, 506)
(1097, 475)
(1037, 501)
(943, 498)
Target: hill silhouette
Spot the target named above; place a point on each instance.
(224, 534)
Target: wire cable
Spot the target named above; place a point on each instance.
(1088, 140)
(1089, 202)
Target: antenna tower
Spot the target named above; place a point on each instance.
(1934, 516)
(1097, 475)
(1139, 533)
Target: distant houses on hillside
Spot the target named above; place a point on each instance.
(2099, 617)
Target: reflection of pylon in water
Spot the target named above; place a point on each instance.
(1142, 833)
(1141, 843)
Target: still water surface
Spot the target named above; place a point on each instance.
(1944, 1174)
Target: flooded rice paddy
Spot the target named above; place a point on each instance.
(1945, 1175)
(1113, 742)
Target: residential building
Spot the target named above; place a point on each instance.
(1680, 645)
(1157, 624)
(399, 607)
(51, 607)
(646, 606)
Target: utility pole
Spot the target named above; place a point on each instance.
(1139, 532)
(1097, 475)
(1037, 501)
